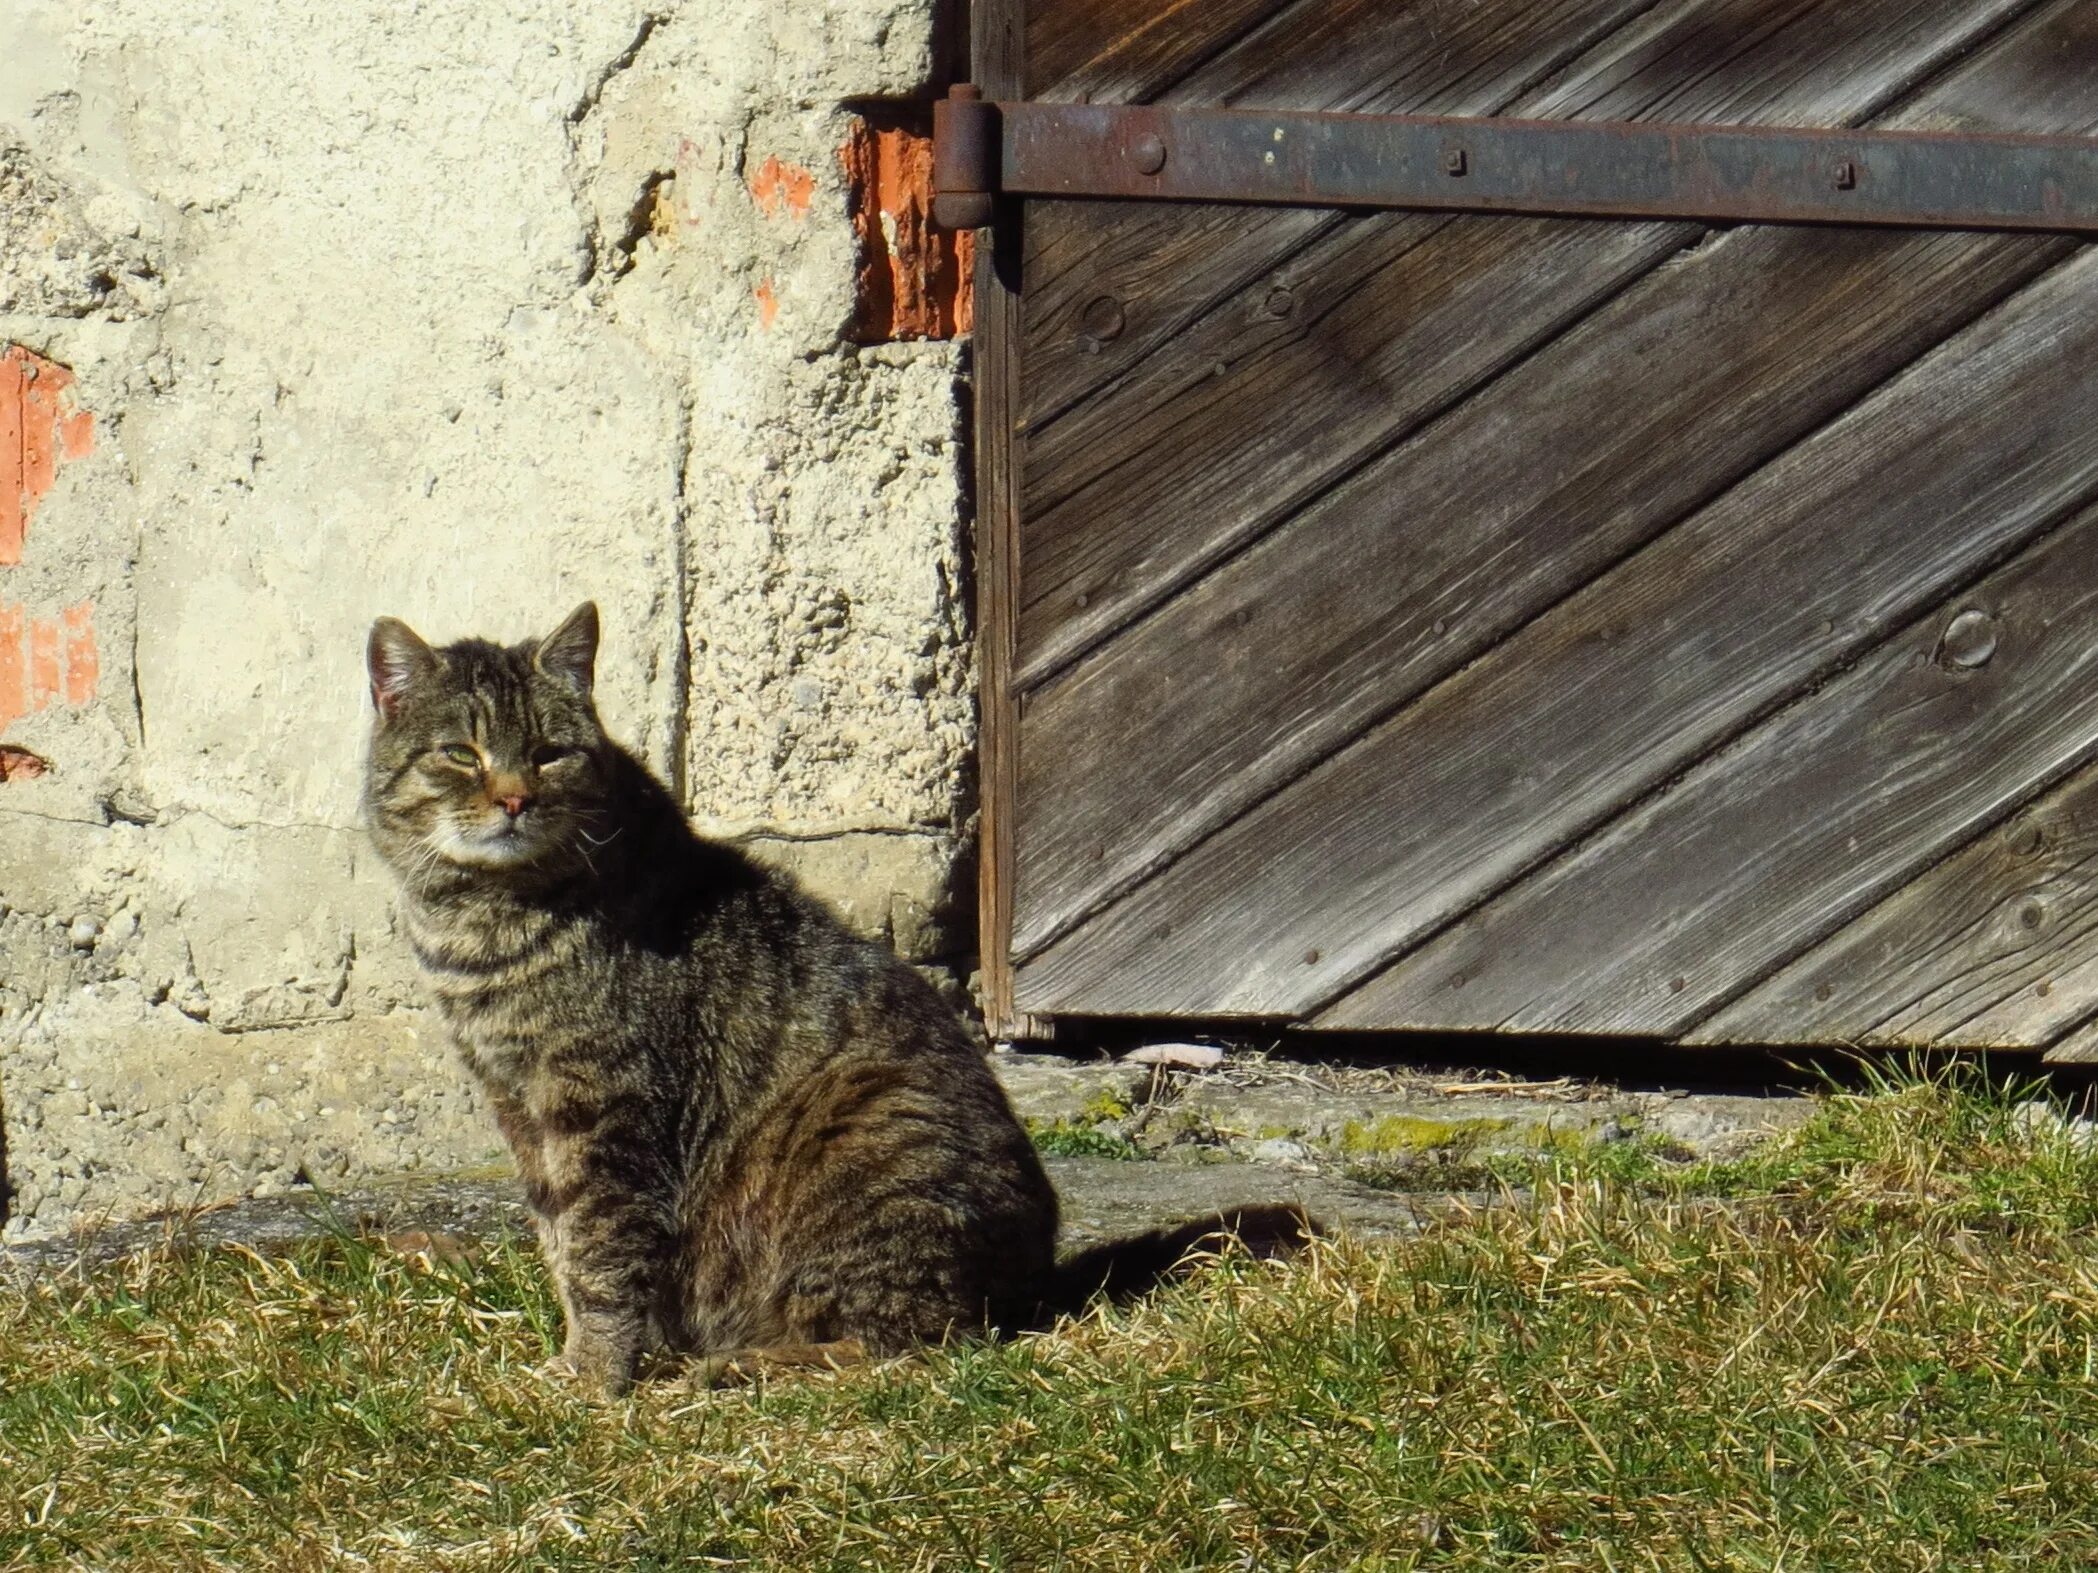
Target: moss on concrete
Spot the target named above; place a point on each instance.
(1394, 1135)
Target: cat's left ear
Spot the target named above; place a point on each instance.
(396, 658)
(570, 651)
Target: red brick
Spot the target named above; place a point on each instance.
(915, 281)
(83, 660)
(19, 764)
(779, 188)
(46, 668)
(14, 672)
(39, 429)
(47, 660)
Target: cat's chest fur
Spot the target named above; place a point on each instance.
(505, 979)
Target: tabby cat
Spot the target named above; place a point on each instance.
(741, 1129)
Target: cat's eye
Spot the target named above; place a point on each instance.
(460, 754)
(552, 754)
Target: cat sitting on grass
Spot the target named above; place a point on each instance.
(743, 1132)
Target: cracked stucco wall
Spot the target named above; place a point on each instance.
(459, 310)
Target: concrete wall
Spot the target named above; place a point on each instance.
(460, 310)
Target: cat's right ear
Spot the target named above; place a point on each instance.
(570, 651)
(397, 659)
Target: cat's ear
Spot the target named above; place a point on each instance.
(570, 651)
(397, 659)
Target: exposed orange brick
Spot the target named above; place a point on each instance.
(19, 764)
(76, 435)
(46, 659)
(14, 675)
(45, 667)
(12, 496)
(782, 188)
(915, 281)
(83, 660)
(39, 428)
(768, 304)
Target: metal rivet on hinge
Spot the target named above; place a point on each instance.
(1846, 174)
(1456, 162)
(1148, 153)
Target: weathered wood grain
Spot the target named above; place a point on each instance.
(2078, 1048)
(1158, 476)
(1995, 947)
(1664, 65)
(997, 49)
(1391, 322)
(1117, 51)
(1163, 267)
(1381, 589)
(1371, 56)
(1428, 556)
(1764, 848)
(1814, 558)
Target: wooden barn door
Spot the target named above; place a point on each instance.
(1410, 620)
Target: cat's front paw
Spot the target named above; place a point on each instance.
(598, 1369)
(562, 1374)
(596, 1378)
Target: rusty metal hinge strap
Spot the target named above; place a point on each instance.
(1737, 174)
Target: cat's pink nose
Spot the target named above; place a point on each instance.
(516, 803)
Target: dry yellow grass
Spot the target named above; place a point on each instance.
(1869, 1347)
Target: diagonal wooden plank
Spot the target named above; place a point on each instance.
(1381, 589)
(1142, 487)
(1996, 946)
(1113, 51)
(1967, 455)
(1813, 816)
(1428, 556)
(1596, 60)
(2078, 1048)
(1163, 267)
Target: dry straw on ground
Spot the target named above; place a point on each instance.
(1868, 1346)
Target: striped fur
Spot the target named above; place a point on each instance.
(739, 1127)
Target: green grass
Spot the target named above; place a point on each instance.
(1084, 1138)
(1870, 1346)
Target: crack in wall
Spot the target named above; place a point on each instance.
(618, 64)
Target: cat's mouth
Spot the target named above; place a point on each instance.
(502, 844)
